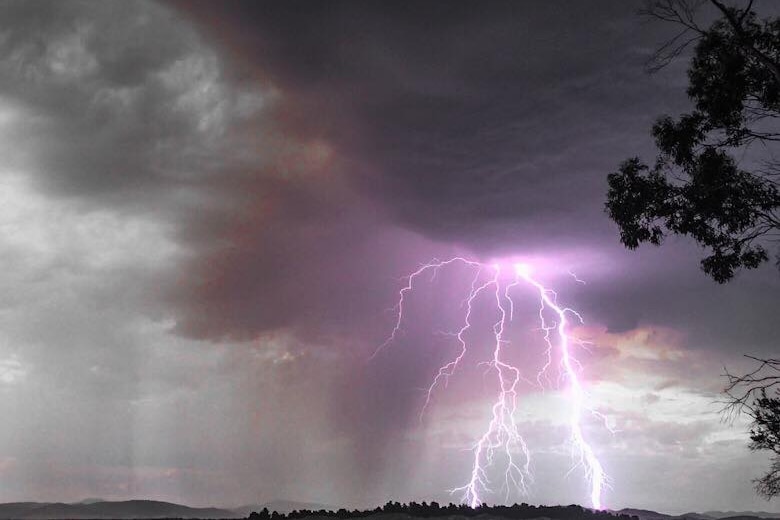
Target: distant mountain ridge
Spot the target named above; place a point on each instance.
(104, 510)
(731, 514)
(644, 514)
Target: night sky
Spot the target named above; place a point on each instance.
(207, 210)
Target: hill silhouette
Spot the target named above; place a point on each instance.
(147, 509)
(732, 514)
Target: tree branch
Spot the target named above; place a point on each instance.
(739, 32)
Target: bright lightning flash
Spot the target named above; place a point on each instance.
(501, 440)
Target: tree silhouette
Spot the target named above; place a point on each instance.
(435, 510)
(696, 187)
(262, 515)
(757, 394)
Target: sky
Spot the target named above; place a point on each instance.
(207, 211)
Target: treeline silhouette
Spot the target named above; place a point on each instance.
(433, 509)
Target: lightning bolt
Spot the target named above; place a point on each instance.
(502, 433)
(587, 458)
(501, 440)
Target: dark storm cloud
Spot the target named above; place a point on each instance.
(492, 126)
(467, 120)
